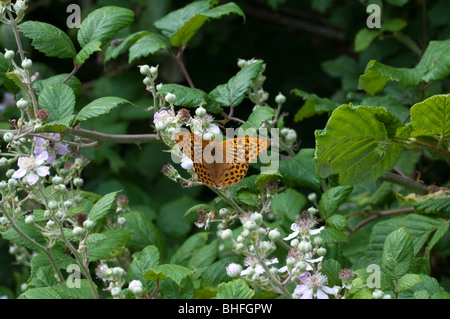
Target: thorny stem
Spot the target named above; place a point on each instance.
(34, 243)
(76, 67)
(378, 214)
(22, 57)
(179, 59)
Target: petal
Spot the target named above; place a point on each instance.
(51, 158)
(331, 291)
(321, 295)
(38, 150)
(308, 294)
(283, 269)
(316, 231)
(19, 173)
(304, 276)
(43, 171)
(259, 269)
(20, 161)
(39, 141)
(62, 149)
(300, 289)
(213, 128)
(32, 179)
(41, 158)
(272, 261)
(187, 163)
(292, 235)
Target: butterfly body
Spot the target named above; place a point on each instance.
(221, 163)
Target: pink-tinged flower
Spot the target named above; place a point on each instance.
(162, 116)
(32, 167)
(314, 286)
(52, 148)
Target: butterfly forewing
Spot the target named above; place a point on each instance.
(232, 157)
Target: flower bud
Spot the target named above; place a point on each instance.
(78, 231)
(27, 63)
(377, 294)
(223, 212)
(274, 235)
(9, 54)
(135, 287)
(68, 204)
(59, 214)
(305, 246)
(321, 251)
(159, 86)
(147, 81)
(312, 197)
(78, 182)
(8, 137)
(258, 218)
(121, 221)
(290, 262)
(234, 270)
(208, 136)
(13, 183)
(153, 71)
(19, 6)
(3, 162)
(52, 205)
(200, 112)
(56, 180)
(301, 265)
(3, 185)
(22, 104)
(116, 291)
(88, 224)
(294, 242)
(4, 221)
(318, 240)
(170, 98)
(144, 69)
(280, 98)
(227, 234)
(250, 225)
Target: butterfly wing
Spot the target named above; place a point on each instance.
(191, 145)
(244, 149)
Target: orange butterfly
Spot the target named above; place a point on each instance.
(224, 163)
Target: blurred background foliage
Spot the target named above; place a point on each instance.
(307, 45)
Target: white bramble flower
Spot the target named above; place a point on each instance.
(304, 227)
(314, 286)
(52, 148)
(32, 167)
(234, 270)
(253, 265)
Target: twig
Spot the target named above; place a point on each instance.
(406, 181)
(76, 67)
(377, 214)
(112, 138)
(179, 59)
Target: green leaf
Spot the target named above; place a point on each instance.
(5, 66)
(337, 221)
(108, 247)
(357, 144)
(102, 207)
(99, 107)
(73, 82)
(236, 289)
(86, 51)
(171, 23)
(332, 199)
(149, 257)
(439, 205)
(434, 65)
(344, 68)
(191, 97)
(364, 38)
(58, 126)
(175, 272)
(432, 118)
(204, 256)
(146, 45)
(233, 92)
(289, 203)
(407, 281)
(398, 3)
(61, 291)
(59, 100)
(301, 170)
(330, 235)
(31, 231)
(313, 105)
(102, 24)
(398, 254)
(182, 24)
(48, 39)
(394, 25)
(144, 231)
(171, 214)
(113, 51)
(331, 269)
(188, 248)
(258, 116)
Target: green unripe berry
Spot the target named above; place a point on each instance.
(9, 54)
(88, 224)
(52, 205)
(78, 231)
(8, 137)
(27, 64)
(56, 180)
(78, 182)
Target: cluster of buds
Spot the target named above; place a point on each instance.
(114, 278)
(7, 8)
(22, 255)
